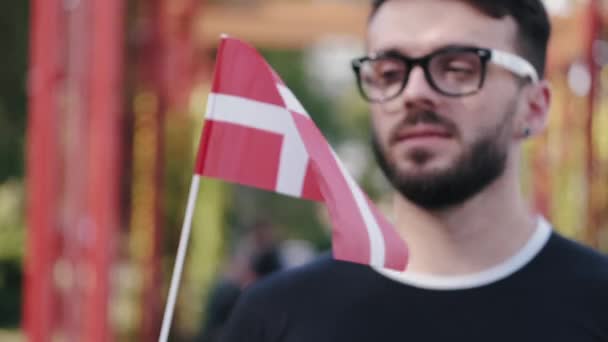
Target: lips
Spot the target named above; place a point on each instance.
(420, 132)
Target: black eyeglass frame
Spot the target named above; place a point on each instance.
(484, 55)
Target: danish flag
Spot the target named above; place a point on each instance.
(257, 133)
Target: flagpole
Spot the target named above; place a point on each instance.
(179, 260)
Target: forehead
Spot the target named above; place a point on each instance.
(416, 27)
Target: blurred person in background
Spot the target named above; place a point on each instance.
(254, 257)
(455, 87)
(258, 254)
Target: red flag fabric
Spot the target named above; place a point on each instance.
(257, 133)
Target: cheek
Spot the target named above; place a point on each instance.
(477, 116)
(381, 124)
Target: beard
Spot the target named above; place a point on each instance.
(476, 168)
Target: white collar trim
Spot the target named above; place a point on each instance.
(432, 282)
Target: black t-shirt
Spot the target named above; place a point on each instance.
(560, 293)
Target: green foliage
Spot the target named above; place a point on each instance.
(11, 222)
(10, 294)
(13, 63)
(290, 66)
(11, 252)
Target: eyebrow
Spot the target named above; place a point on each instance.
(397, 51)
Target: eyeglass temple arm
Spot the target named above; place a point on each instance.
(514, 63)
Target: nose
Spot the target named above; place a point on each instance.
(418, 90)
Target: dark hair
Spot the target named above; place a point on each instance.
(266, 262)
(531, 18)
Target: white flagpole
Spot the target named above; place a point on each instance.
(179, 260)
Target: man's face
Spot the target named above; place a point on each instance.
(437, 150)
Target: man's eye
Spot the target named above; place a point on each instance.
(461, 69)
(392, 75)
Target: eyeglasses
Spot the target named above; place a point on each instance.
(453, 71)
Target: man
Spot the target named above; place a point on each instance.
(455, 87)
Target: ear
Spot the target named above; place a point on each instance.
(536, 111)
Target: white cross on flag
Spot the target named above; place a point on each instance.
(257, 134)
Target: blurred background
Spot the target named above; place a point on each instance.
(101, 108)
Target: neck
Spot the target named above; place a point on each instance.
(473, 236)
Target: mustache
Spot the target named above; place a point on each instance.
(423, 117)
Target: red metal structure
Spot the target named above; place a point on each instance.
(42, 169)
(75, 128)
(76, 156)
(106, 116)
(74, 167)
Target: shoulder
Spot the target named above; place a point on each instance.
(318, 277)
(262, 311)
(581, 278)
(575, 271)
(578, 258)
